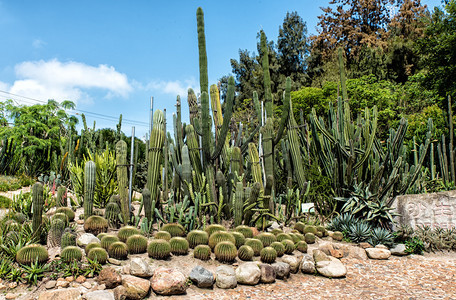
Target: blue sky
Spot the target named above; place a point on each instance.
(109, 57)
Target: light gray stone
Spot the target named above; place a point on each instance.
(292, 261)
(248, 273)
(202, 277)
(61, 294)
(268, 273)
(225, 277)
(136, 288)
(399, 250)
(380, 246)
(86, 239)
(308, 265)
(99, 295)
(378, 253)
(168, 282)
(50, 284)
(140, 267)
(282, 270)
(333, 268)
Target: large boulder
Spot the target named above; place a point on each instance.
(248, 273)
(168, 282)
(399, 250)
(87, 238)
(292, 261)
(61, 294)
(202, 277)
(225, 277)
(140, 267)
(378, 253)
(99, 295)
(282, 270)
(333, 268)
(319, 255)
(268, 273)
(308, 265)
(135, 288)
(109, 277)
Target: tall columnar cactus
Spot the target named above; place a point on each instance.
(295, 149)
(266, 75)
(342, 74)
(238, 204)
(147, 203)
(89, 187)
(122, 179)
(61, 196)
(204, 82)
(186, 170)
(37, 202)
(157, 139)
(193, 150)
(256, 168)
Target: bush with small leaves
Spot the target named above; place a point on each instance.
(127, 231)
(268, 255)
(256, 245)
(108, 240)
(225, 252)
(210, 229)
(71, 253)
(137, 244)
(179, 245)
(299, 226)
(175, 229)
(197, 237)
(301, 246)
(279, 247)
(245, 230)
(245, 253)
(90, 246)
(239, 238)
(159, 249)
(289, 246)
(266, 238)
(310, 238)
(96, 224)
(32, 253)
(220, 236)
(98, 253)
(202, 252)
(118, 250)
(67, 211)
(162, 235)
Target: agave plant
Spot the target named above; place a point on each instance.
(342, 223)
(359, 232)
(381, 236)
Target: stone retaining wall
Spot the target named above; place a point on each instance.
(434, 209)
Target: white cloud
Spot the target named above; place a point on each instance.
(37, 43)
(57, 80)
(173, 88)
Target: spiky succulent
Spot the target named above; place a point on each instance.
(210, 229)
(279, 248)
(101, 235)
(289, 246)
(98, 253)
(341, 222)
(179, 245)
(245, 230)
(294, 237)
(159, 249)
(202, 252)
(162, 235)
(245, 253)
(67, 211)
(68, 239)
(175, 229)
(256, 245)
(323, 230)
(118, 250)
(283, 236)
(127, 231)
(90, 246)
(96, 224)
(239, 238)
(359, 232)
(71, 253)
(108, 240)
(268, 255)
(137, 244)
(55, 232)
(32, 253)
(337, 235)
(381, 236)
(225, 252)
(220, 236)
(403, 233)
(112, 212)
(197, 237)
(301, 246)
(310, 238)
(266, 238)
(299, 226)
(19, 217)
(276, 231)
(310, 229)
(61, 216)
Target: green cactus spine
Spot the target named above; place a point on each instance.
(175, 229)
(122, 179)
(283, 236)
(295, 149)
(245, 230)
(179, 245)
(310, 238)
(112, 213)
(268, 255)
(55, 232)
(137, 244)
(32, 253)
(67, 211)
(108, 240)
(68, 239)
(147, 203)
(89, 187)
(162, 235)
(204, 82)
(100, 254)
(159, 249)
(96, 224)
(91, 245)
(239, 238)
(220, 236)
(301, 246)
(61, 197)
(127, 231)
(289, 246)
(202, 252)
(279, 248)
(71, 253)
(221, 183)
(266, 238)
(253, 198)
(197, 237)
(256, 245)
(118, 250)
(225, 252)
(214, 228)
(245, 253)
(38, 202)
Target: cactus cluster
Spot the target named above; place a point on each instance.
(127, 231)
(91, 245)
(162, 235)
(99, 254)
(289, 246)
(279, 248)
(118, 250)
(268, 255)
(213, 228)
(96, 224)
(239, 238)
(68, 239)
(89, 187)
(266, 238)
(108, 240)
(255, 244)
(220, 236)
(67, 211)
(179, 245)
(174, 229)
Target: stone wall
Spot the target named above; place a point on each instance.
(434, 209)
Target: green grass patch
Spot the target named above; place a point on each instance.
(5, 202)
(10, 183)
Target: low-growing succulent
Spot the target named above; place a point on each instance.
(101, 235)
(256, 245)
(294, 237)
(68, 239)
(381, 236)
(225, 252)
(210, 229)
(276, 231)
(310, 229)
(289, 246)
(179, 245)
(342, 222)
(197, 237)
(61, 216)
(162, 235)
(108, 240)
(322, 229)
(310, 238)
(239, 238)
(127, 231)
(95, 225)
(220, 236)
(359, 232)
(137, 244)
(283, 236)
(266, 238)
(299, 226)
(268, 255)
(245, 253)
(175, 229)
(279, 248)
(202, 252)
(32, 253)
(67, 211)
(118, 250)
(90, 246)
(245, 230)
(98, 253)
(71, 253)
(337, 235)
(159, 249)
(301, 246)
